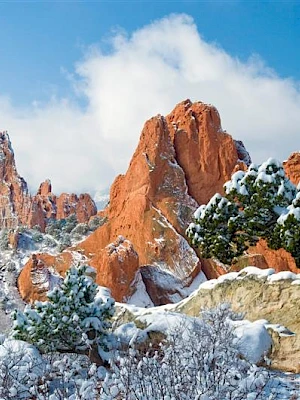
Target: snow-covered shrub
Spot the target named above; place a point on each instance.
(21, 368)
(4, 242)
(49, 241)
(70, 377)
(202, 362)
(37, 237)
(95, 222)
(73, 319)
(79, 231)
(26, 374)
(64, 241)
(258, 203)
(70, 223)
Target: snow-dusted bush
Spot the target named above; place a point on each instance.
(199, 360)
(37, 236)
(69, 377)
(258, 203)
(21, 368)
(70, 223)
(64, 241)
(202, 362)
(49, 241)
(96, 221)
(80, 229)
(74, 319)
(4, 242)
(26, 374)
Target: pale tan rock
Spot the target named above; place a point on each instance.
(277, 302)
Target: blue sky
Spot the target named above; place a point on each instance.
(60, 63)
(40, 39)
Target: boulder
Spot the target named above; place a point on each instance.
(258, 294)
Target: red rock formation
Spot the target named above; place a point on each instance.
(119, 263)
(45, 188)
(206, 153)
(180, 158)
(263, 257)
(180, 161)
(17, 207)
(34, 280)
(83, 206)
(292, 167)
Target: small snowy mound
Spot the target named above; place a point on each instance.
(254, 340)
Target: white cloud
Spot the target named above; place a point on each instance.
(144, 74)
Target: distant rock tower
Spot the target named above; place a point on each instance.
(18, 207)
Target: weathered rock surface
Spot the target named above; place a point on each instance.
(36, 277)
(263, 257)
(258, 297)
(180, 161)
(260, 256)
(205, 152)
(18, 207)
(119, 262)
(292, 167)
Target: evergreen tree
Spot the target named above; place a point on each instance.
(74, 319)
(258, 203)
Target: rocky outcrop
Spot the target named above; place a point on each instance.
(258, 294)
(180, 161)
(263, 257)
(18, 207)
(292, 167)
(205, 152)
(41, 273)
(260, 256)
(119, 262)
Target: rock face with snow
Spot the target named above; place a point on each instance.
(259, 294)
(18, 207)
(119, 262)
(180, 161)
(41, 273)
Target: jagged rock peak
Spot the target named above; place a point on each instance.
(206, 153)
(181, 160)
(45, 188)
(17, 207)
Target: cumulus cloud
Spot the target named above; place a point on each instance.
(143, 74)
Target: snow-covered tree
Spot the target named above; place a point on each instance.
(74, 319)
(258, 203)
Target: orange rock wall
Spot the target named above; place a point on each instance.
(180, 161)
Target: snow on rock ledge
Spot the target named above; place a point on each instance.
(259, 294)
(268, 274)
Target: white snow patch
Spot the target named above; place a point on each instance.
(253, 339)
